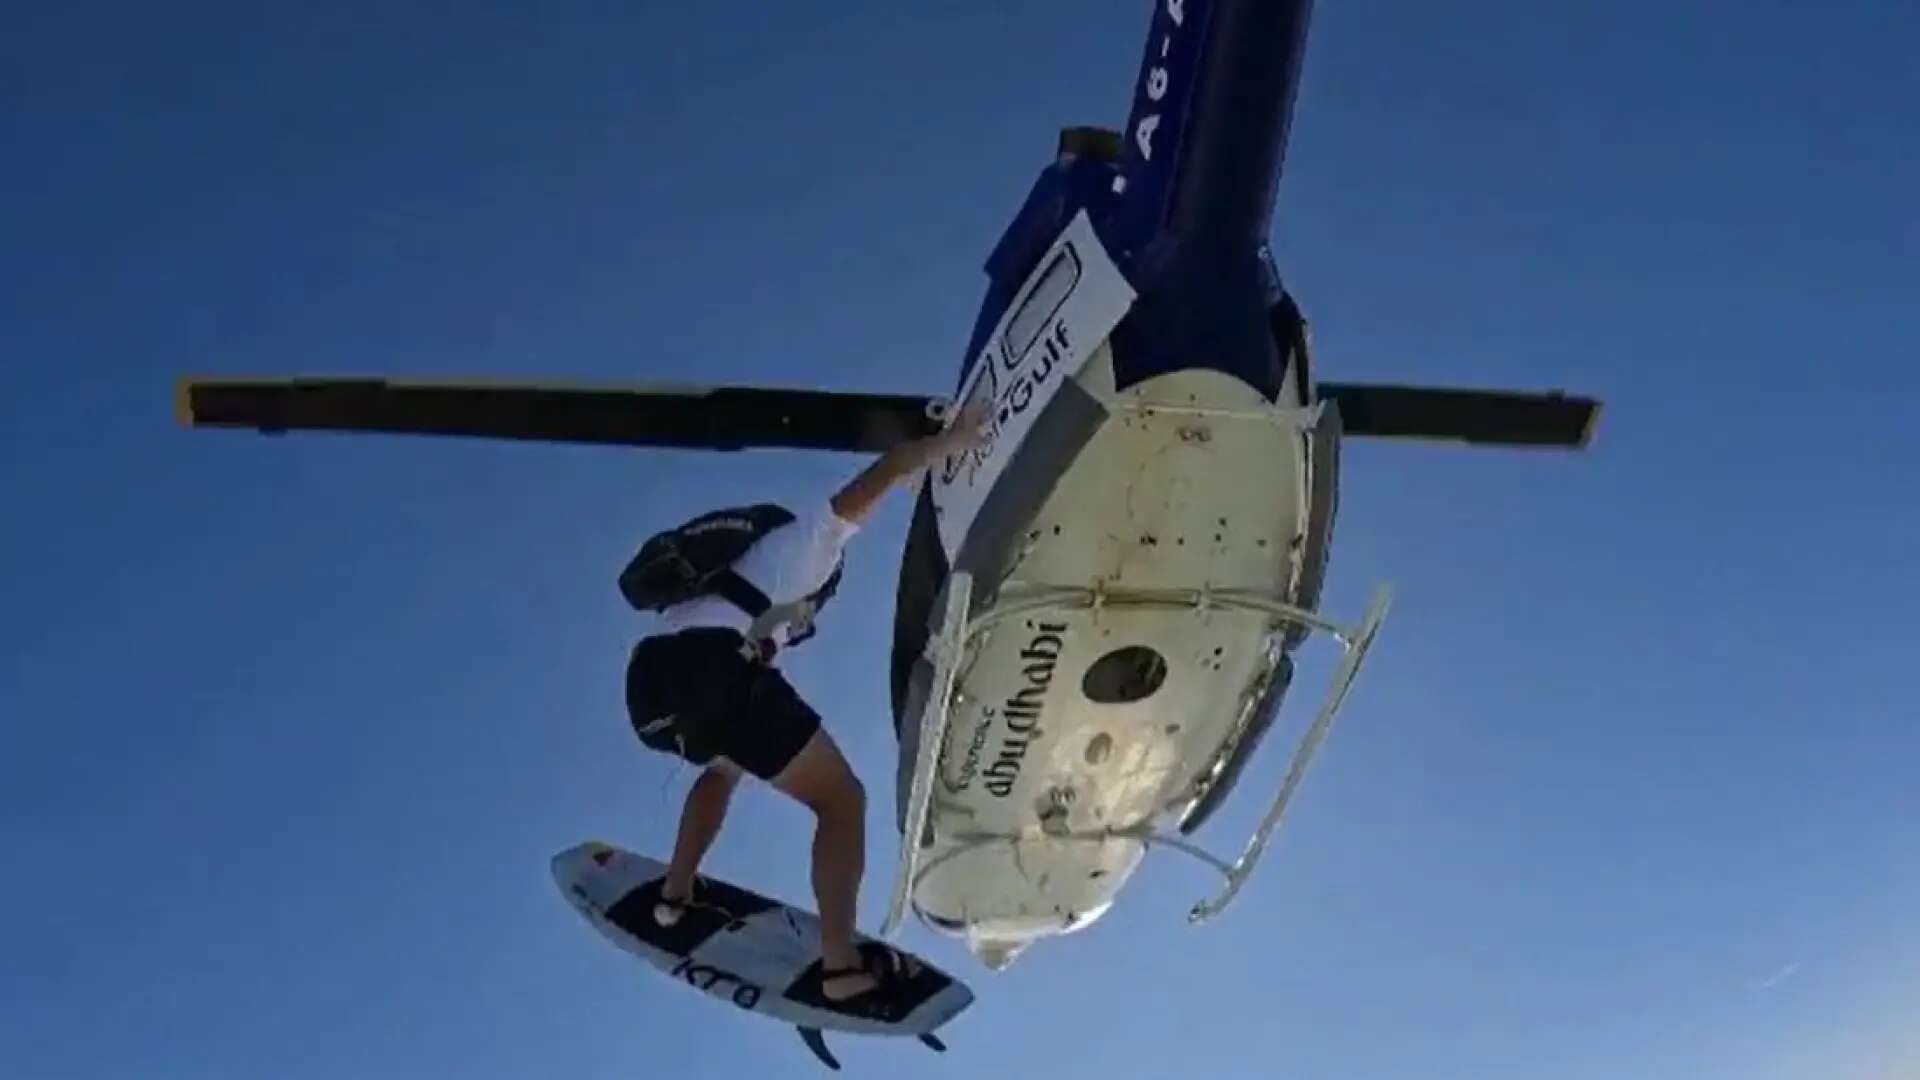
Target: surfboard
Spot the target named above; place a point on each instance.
(750, 951)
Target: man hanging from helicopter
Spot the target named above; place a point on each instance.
(732, 589)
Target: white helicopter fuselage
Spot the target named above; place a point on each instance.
(1073, 721)
(1097, 611)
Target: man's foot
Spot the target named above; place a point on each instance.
(872, 969)
(843, 983)
(672, 904)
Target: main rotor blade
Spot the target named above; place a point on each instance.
(1480, 417)
(704, 418)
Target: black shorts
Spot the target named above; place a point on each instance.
(722, 704)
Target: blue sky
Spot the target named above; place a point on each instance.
(289, 728)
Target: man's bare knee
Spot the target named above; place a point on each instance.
(841, 797)
(845, 799)
(820, 779)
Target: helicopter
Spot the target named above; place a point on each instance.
(1098, 607)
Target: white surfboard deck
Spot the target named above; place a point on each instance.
(750, 951)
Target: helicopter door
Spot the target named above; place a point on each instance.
(1071, 301)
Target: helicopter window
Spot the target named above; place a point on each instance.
(1124, 676)
(1037, 309)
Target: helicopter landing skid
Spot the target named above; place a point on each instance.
(947, 647)
(945, 650)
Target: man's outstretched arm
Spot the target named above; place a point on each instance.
(856, 502)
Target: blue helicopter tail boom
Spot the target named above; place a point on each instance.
(1206, 137)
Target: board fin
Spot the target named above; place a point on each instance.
(817, 1043)
(933, 1043)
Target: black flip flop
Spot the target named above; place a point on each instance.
(887, 969)
(667, 913)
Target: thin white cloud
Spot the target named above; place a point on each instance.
(1778, 977)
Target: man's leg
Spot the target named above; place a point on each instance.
(820, 779)
(700, 821)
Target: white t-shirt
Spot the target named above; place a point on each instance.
(788, 564)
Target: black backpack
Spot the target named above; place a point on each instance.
(696, 558)
(693, 560)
